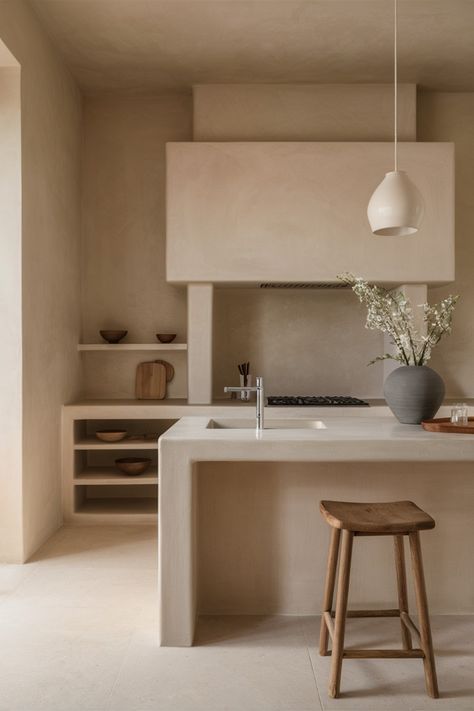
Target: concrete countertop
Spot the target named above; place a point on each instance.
(344, 438)
(181, 407)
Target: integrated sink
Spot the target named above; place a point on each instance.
(250, 424)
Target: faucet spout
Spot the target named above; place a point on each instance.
(259, 389)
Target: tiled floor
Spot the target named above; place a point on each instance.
(78, 632)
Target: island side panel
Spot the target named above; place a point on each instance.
(263, 544)
(176, 548)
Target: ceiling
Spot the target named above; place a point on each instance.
(156, 45)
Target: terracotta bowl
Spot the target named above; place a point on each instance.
(133, 465)
(166, 337)
(113, 336)
(111, 435)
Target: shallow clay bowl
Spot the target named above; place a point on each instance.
(166, 337)
(133, 465)
(111, 435)
(113, 336)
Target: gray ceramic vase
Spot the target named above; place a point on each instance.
(414, 393)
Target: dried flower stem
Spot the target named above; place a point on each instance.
(391, 313)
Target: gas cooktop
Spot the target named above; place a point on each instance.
(315, 401)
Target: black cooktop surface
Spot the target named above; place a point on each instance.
(315, 401)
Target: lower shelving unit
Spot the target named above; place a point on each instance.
(94, 489)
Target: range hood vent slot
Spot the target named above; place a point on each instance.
(303, 285)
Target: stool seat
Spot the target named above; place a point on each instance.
(376, 518)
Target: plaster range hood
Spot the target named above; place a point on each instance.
(293, 214)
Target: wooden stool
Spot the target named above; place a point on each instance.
(397, 519)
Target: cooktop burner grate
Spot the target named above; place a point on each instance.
(315, 401)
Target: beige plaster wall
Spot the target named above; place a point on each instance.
(51, 116)
(303, 342)
(263, 544)
(286, 335)
(441, 117)
(11, 529)
(123, 259)
(301, 112)
(450, 117)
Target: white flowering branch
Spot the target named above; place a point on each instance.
(391, 313)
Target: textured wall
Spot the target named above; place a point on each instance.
(263, 544)
(51, 116)
(450, 117)
(11, 524)
(301, 112)
(313, 342)
(303, 342)
(123, 260)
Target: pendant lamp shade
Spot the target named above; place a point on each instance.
(396, 207)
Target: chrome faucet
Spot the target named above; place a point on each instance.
(260, 398)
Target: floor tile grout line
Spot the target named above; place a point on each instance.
(308, 652)
(315, 679)
(109, 695)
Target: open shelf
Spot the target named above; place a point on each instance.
(132, 347)
(120, 506)
(111, 476)
(95, 491)
(127, 443)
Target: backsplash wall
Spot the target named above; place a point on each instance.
(303, 342)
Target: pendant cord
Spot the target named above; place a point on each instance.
(395, 83)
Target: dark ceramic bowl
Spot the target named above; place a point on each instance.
(113, 336)
(133, 465)
(166, 337)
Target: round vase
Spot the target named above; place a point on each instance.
(414, 393)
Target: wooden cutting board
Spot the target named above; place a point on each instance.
(169, 369)
(444, 424)
(150, 382)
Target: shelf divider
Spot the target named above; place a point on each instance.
(132, 346)
(111, 476)
(131, 444)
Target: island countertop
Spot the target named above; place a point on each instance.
(342, 438)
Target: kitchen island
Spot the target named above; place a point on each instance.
(380, 449)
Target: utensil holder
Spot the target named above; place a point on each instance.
(244, 381)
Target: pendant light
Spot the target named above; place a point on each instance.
(396, 207)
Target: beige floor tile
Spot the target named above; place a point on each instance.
(78, 631)
(129, 547)
(24, 622)
(399, 684)
(453, 637)
(251, 664)
(82, 586)
(11, 576)
(60, 676)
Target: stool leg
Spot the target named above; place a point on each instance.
(422, 603)
(329, 588)
(341, 610)
(402, 588)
